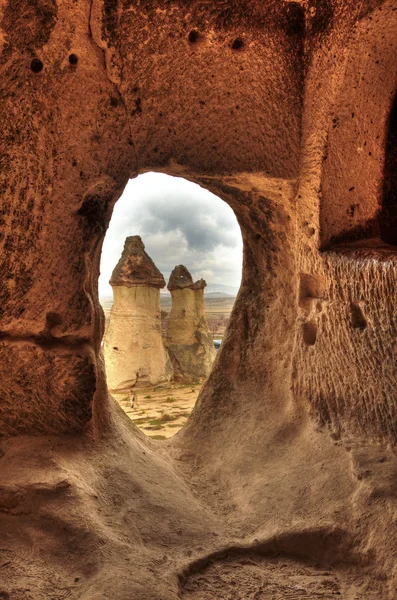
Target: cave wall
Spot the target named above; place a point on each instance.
(59, 176)
(252, 100)
(345, 369)
(356, 127)
(281, 456)
(85, 106)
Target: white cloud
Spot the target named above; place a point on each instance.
(180, 223)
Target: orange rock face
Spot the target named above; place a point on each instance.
(287, 467)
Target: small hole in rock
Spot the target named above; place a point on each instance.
(36, 65)
(309, 333)
(357, 317)
(237, 44)
(193, 36)
(73, 59)
(311, 286)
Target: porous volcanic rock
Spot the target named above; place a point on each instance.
(285, 111)
(135, 267)
(133, 346)
(189, 340)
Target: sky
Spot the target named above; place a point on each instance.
(179, 223)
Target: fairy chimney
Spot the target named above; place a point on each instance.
(189, 340)
(134, 350)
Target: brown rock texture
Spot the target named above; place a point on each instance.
(189, 340)
(287, 467)
(133, 345)
(135, 267)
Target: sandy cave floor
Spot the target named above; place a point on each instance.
(161, 411)
(252, 577)
(74, 525)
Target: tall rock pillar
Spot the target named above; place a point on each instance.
(135, 354)
(189, 340)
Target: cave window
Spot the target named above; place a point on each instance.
(179, 223)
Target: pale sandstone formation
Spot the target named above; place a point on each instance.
(189, 340)
(285, 110)
(133, 346)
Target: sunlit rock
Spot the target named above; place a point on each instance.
(189, 340)
(285, 110)
(134, 351)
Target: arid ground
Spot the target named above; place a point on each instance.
(217, 307)
(162, 411)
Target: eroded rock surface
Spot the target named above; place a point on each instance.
(189, 339)
(133, 346)
(285, 111)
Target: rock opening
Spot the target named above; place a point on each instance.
(311, 287)
(181, 329)
(357, 316)
(309, 331)
(238, 44)
(193, 36)
(36, 65)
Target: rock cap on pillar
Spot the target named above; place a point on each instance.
(181, 279)
(135, 267)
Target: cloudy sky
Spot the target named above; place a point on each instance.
(179, 223)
